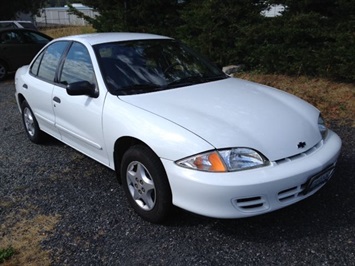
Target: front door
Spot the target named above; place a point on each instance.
(79, 118)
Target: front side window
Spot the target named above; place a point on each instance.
(77, 66)
(142, 66)
(49, 61)
(11, 37)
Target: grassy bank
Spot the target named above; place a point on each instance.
(335, 100)
(66, 31)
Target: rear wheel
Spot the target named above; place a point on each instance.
(30, 123)
(145, 183)
(3, 70)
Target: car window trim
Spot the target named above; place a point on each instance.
(59, 69)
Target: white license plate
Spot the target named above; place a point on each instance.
(318, 180)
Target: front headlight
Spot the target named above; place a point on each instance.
(234, 159)
(322, 127)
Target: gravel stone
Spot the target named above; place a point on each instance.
(97, 227)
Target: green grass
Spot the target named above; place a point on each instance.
(6, 253)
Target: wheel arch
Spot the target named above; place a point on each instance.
(122, 144)
(20, 99)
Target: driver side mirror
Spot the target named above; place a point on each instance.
(82, 88)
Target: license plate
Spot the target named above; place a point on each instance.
(318, 180)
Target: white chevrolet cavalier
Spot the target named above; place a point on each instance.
(174, 127)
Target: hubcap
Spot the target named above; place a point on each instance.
(29, 121)
(141, 186)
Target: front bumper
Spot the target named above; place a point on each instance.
(256, 191)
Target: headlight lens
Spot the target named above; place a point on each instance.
(234, 159)
(322, 127)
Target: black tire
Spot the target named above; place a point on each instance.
(3, 70)
(30, 123)
(146, 184)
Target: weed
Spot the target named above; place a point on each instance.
(6, 253)
(24, 233)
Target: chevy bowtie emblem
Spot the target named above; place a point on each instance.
(301, 145)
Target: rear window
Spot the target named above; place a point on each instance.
(28, 25)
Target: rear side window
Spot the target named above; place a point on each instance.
(8, 25)
(35, 65)
(11, 37)
(46, 64)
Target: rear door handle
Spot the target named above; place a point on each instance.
(25, 86)
(56, 99)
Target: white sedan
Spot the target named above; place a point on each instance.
(174, 127)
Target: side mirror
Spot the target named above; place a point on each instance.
(82, 88)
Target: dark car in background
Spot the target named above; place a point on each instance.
(17, 24)
(18, 47)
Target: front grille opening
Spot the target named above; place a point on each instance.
(251, 204)
(289, 194)
(248, 199)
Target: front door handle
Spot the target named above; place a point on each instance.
(56, 99)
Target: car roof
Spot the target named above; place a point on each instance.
(26, 30)
(107, 37)
(18, 29)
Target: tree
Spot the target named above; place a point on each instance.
(11, 9)
(218, 28)
(312, 37)
(155, 16)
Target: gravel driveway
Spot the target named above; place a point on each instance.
(93, 225)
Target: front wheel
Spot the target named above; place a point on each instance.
(146, 184)
(30, 123)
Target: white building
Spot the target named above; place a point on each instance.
(55, 16)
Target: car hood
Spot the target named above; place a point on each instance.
(238, 113)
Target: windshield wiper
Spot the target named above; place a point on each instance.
(216, 77)
(192, 80)
(186, 81)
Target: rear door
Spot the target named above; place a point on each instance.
(40, 83)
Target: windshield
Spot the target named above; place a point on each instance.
(143, 66)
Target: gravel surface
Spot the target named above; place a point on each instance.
(97, 227)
